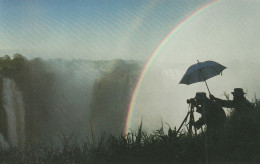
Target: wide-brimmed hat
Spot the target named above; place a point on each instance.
(201, 95)
(238, 92)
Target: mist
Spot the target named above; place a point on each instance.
(227, 33)
(71, 96)
(46, 100)
(107, 36)
(82, 96)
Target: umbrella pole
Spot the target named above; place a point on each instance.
(204, 78)
(207, 85)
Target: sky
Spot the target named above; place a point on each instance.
(89, 29)
(226, 32)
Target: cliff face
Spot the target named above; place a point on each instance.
(67, 96)
(111, 96)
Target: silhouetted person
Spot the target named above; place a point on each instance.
(212, 114)
(240, 104)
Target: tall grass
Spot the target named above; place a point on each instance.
(239, 142)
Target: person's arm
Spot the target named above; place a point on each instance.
(222, 103)
(199, 109)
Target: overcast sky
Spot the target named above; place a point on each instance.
(89, 29)
(226, 32)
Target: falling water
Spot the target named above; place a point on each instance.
(14, 108)
(3, 142)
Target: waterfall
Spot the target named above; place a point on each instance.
(14, 108)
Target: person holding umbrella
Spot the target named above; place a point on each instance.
(239, 103)
(199, 72)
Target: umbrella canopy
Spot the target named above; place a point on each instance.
(201, 72)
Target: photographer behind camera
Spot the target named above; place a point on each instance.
(212, 114)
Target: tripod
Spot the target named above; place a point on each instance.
(191, 120)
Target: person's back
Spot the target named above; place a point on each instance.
(242, 107)
(213, 115)
(239, 103)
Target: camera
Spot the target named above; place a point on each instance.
(191, 101)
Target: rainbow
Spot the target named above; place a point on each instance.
(153, 57)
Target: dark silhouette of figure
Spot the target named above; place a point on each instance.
(239, 103)
(212, 114)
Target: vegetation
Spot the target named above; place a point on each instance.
(239, 142)
(35, 80)
(56, 92)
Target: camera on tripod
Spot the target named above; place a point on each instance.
(191, 101)
(195, 102)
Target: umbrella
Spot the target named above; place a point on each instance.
(201, 72)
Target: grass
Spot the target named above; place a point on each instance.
(239, 143)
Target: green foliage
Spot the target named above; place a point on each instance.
(9, 67)
(239, 141)
(242, 137)
(44, 84)
(35, 81)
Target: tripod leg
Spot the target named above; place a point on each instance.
(185, 119)
(190, 124)
(192, 121)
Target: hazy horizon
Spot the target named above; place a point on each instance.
(226, 32)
